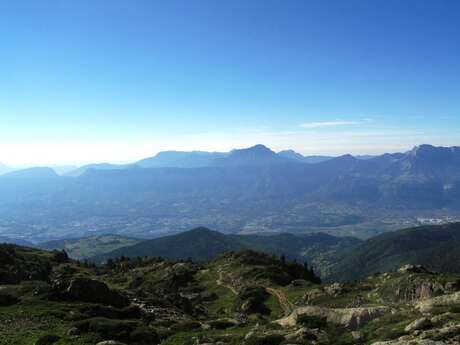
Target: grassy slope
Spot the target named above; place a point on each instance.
(36, 315)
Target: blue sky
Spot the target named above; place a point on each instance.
(93, 80)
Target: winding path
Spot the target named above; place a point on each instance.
(221, 282)
(284, 302)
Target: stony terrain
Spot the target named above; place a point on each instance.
(239, 298)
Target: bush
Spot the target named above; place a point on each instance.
(144, 335)
(47, 339)
(185, 326)
(106, 328)
(252, 301)
(455, 309)
(91, 311)
(221, 324)
(129, 331)
(7, 300)
(312, 321)
(271, 339)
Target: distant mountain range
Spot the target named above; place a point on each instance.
(245, 191)
(190, 159)
(178, 159)
(256, 155)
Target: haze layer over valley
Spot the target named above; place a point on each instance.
(253, 190)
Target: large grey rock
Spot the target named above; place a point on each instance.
(404, 341)
(427, 305)
(351, 318)
(419, 324)
(90, 290)
(301, 335)
(413, 269)
(449, 335)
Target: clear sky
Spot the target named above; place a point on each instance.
(118, 80)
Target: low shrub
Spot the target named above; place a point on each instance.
(47, 339)
(312, 321)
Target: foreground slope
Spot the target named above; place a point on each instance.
(245, 297)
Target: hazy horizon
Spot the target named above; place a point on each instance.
(83, 163)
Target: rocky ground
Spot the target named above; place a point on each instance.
(239, 298)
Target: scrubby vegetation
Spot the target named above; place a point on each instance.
(243, 297)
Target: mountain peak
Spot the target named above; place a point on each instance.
(259, 148)
(347, 157)
(423, 149)
(434, 155)
(291, 154)
(257, 155)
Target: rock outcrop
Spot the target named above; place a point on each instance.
(427, 305)
(440, 336)
(419, 324)
(413, 269)
(93, 291)
(348, 317)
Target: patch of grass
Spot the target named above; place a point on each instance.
(388, 327)
(232, 336)
(276, 311)
(224, 304)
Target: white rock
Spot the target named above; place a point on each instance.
(348, 317)
(418, 324)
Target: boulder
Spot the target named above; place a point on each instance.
(427, 305)
(93, 291)
(351, 318)
(335, 289)
(403, 341)
(301, 335)
(413, 269)
(438, 336)
(419, 324)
